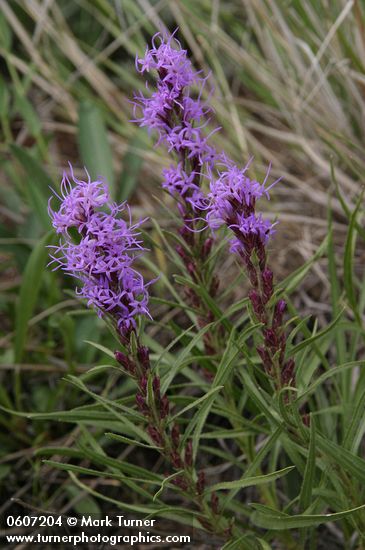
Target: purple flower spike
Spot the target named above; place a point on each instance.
(177, 116)
(103, 257)
(232, 202)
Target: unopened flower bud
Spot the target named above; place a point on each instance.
(189, 453)
(179, 481)
(279, 313)
(200, 484)
(176, 459)
(141, 403)
(191, 269)
(144, 356)
(271, 339)
(214, 502)
(164, 407)
(265, 358)
(181, 251)
(287, 373)
(143, 384)
(267, 283)
(155, 435)
(124, 361)
(175, 435)
(156, 386)
(256, 302)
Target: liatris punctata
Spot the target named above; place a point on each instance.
(99, 248)
(178, 119)
(232, 202)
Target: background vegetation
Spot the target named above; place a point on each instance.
(289, 89)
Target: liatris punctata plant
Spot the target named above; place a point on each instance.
(178, 117)
(99, 248)
(232, 202)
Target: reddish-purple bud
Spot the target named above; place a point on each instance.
(155, 435)
(180, 482)
(124, 361)
(256, 302)
(271, 339)
(205, 523)
(175, 435)
(189, 453)
(200, 484)
(306, 419)
(144, 357)
(192, 296)
(164, 407)
(156, 386)
(143, 384)
(279, 310)
(187, 235)
(141, 403)
(181, 251)
(214, 502)
(191, 269)
(176, 459)
(287, 373)
(261, 254)
(265, 358)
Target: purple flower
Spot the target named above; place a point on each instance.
(103, 257)
(77, 202)
(171, 62)
(176, 115)
(232, 201)
(177, 181)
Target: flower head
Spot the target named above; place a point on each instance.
(171, 62)
(102, 257)
(232, 201)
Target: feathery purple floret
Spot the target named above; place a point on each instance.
(179, 120)
(232, 201)
(176, 115)
(103, 254)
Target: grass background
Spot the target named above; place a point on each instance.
(289, 89)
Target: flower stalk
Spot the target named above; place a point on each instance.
(232, 202)
(179, 119)
(99, 248)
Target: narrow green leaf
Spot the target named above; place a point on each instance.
(308, 479)
(4, 98)
(356, 427)
(84, 505)
(37, 183)
(317, 336)
(250, 481)
(29, 292)
(28, 113)
(132, 165)
(293, 280)
(129, 441)
(267, 518)
(351, 464)
(165, 482)
(93, 142)
(196, 402)
(348, 260)
(101, 348)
